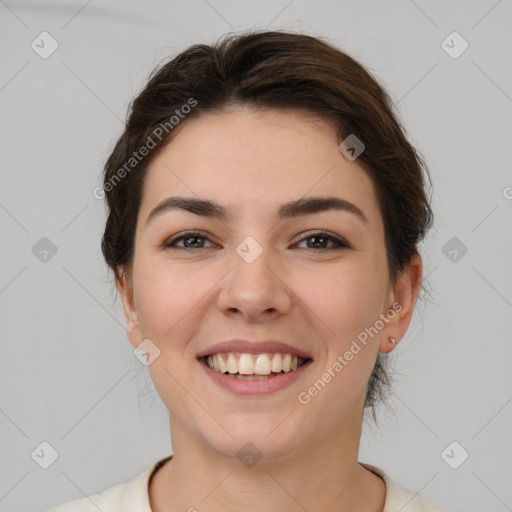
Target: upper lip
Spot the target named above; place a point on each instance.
(254, 347)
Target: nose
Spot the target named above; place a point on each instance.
(255, 289)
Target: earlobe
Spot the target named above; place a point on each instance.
(125, 289)
(387, 344)
(403, 298)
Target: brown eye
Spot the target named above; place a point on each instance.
(191, 239)
(321, 239)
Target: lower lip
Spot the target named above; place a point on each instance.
(254, 387)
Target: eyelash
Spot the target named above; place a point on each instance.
(339, 244)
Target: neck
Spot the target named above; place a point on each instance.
(324, 475)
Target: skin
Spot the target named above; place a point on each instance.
(186, 299)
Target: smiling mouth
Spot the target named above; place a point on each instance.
(246, 366)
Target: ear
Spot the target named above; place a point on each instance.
(124, 286)
(401, 299)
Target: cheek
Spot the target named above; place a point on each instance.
(345, 303)
(166, 296)
(171, 302)
(345, 297)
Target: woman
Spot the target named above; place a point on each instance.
(265, 210)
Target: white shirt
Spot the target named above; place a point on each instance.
(133, 496)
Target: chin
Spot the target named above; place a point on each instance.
(264, 439)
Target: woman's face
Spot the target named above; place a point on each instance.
(249, 276)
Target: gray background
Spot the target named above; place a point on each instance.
(68, 375)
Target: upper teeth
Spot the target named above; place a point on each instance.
(253, 364)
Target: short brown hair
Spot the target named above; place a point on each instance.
(274, 69)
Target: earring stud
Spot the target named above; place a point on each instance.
(393, 340)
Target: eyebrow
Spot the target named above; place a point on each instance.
(304, 206)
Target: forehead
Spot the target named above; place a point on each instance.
(246, 159)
